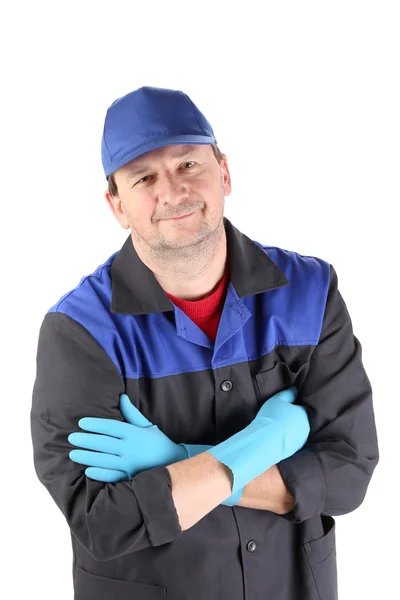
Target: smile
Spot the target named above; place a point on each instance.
(179, 218)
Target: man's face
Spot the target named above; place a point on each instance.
(166, 183)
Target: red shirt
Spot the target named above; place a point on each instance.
(206, 312)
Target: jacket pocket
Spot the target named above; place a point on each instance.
(321, 556)
(93, 587)
(279, 377)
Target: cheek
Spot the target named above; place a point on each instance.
(139, 211)
(206, 188)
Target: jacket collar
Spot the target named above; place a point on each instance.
(136, 291)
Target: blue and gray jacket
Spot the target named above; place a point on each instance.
(284, 322)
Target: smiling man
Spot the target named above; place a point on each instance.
(178, 232)
(201, 411)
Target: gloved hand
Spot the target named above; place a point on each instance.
(279, 430)
(134, 446)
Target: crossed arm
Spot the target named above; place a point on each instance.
(110, 451)
(201, 483)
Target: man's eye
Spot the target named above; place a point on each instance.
(185, 163)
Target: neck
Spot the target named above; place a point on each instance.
(197, 274)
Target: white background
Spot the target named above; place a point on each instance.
(304, 100)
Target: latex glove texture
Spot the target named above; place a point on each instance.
(116, 451)
(278, 431)
(124, 447)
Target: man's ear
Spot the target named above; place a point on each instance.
(117, 209)
(226, 177)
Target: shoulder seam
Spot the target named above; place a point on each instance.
(80, 284)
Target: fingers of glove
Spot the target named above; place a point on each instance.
(303, 419)
(131, 413)
(96, 459)
(288, 395)
(91, 441)
(296, 427)
(106, 475)
(274, 407)
(112, 427)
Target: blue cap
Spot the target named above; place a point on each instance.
(149, 118)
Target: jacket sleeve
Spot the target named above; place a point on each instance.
(331, 473)
(76, 378)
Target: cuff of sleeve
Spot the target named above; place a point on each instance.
(153, 490)
(303, 478)
(234, 498)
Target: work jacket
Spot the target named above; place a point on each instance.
(284, 323)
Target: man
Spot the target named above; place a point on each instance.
(201, 410)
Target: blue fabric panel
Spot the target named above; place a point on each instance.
(152, 345)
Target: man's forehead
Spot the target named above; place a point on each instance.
(177, 150)
(174, 151)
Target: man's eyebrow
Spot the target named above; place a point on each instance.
(142, 168)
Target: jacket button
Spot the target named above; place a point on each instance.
(226, 386)
(251, 546)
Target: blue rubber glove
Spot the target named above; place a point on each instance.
(134, 446)
(278, 431)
